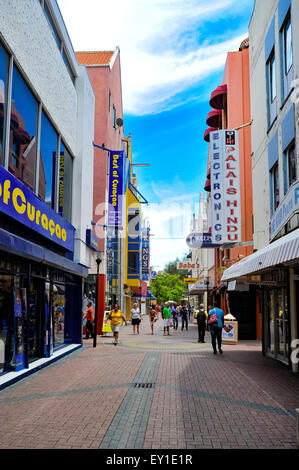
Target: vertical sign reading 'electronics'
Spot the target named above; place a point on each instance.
(115, 194)
(225, 187)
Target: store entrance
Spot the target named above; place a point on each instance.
(277, 326)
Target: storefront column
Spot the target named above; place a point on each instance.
(293, 314)
(101, 303)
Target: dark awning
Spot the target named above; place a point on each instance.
(214, 118)
(216, 100)
(207, 133)
(208, 185)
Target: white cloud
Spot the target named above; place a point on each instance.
(159, 56)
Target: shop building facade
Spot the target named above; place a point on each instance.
(230, 103)
(274, 66)
(104, 71)
(46, 152)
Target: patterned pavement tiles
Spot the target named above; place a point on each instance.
(197, 400)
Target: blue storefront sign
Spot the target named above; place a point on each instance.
(91, 239)
(115, 188)
(18, 202)
(200, 240)
(286, 209)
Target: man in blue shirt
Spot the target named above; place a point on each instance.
(216, 328)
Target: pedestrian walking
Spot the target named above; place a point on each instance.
(184, 314)
(175, 316)
(153, 317)
(189, 311)
(201, 323)
(216, 322)
(135, 318)
(166, 317)
(116, 317)
(89, 321)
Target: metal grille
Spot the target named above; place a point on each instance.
(144, 385)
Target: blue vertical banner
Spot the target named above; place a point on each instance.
(145, 254)
(61, 183)
(115, 188)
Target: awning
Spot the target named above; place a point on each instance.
(284, 250)
(216, 100)
(214, 118)
(208, 185)
(207, 133)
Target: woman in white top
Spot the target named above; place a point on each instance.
(135, 318)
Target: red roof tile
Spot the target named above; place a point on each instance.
(94, 57)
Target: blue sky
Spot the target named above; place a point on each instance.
(173, 54)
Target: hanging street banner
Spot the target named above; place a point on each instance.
(200, 240)
(115, 188)
(225, 187)
(145, 255)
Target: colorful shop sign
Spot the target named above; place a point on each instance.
(19, 202)
(115, 188)
(200, 240)
(225, 187)
(145, 255)
(91, 239)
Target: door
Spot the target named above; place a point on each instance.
(36, 319)
(282, 325)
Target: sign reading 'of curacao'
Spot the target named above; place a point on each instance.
(20, 203)
(115, 189)
(225, 187)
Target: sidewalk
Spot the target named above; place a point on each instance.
(153, 392)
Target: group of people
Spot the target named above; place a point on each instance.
(212, 320)
(170, 313)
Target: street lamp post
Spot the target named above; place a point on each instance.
(207, 281)
(98, 261)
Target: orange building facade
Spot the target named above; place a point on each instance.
(104, 72)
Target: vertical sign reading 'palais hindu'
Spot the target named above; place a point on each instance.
(225, 187)
(115, 194)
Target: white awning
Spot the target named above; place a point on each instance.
(281, 251)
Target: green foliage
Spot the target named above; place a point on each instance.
(171, 268)
(168, 287)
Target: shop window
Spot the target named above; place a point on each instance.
(7, 337)
(134, 224)
(22, 149)
(114, 117)
(58, 314)
(3, 84)
(47, 164)
(286, 45)
(290, 166)
(133, 257)
(274, 174)
(65, 183)
(271, 86)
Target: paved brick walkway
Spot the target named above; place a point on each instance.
(153, 392)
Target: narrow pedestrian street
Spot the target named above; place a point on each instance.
(154, 392)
